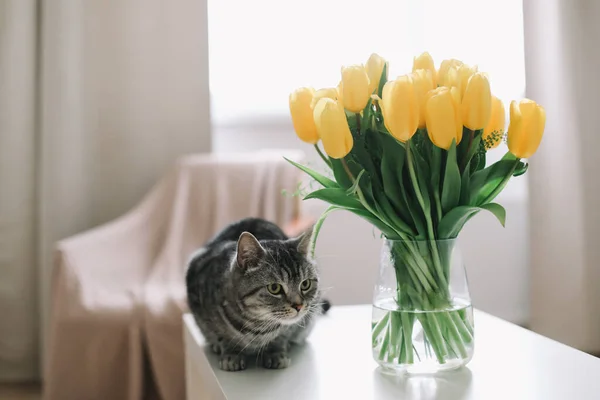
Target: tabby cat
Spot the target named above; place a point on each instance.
(254, 291)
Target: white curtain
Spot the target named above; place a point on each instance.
(97, 98)
(562, 64)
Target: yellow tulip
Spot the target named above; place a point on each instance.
(302, 114)
(374, 68)
(477, 102)
(331, 123)
(400, 108)
(425, 61)
(445, 68)
(526, 128)
(465, 72)
(494, 131)
(443, 117)
(355, 88)
(423, 84)
(330, 93)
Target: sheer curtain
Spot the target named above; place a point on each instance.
(562, 74)
(261, 50)
(97, 99)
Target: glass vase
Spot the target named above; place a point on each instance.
(422, 315)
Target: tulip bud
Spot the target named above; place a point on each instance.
(423, 84)
(302, 115)
(331, 123)
(443, 117)
(526, 128)
(465, 73)
(444, 68)
(494, 131)
(477, 102)
(330, 93)
(400, 108)
(355, 88)
(424, 61)
(374, 68)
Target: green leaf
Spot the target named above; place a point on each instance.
(521, 169)
(479, 159)
(475, 148)
(382, 80)
(352, 190)
(336, 197)
(465, 184)
(423, 174)
(367, 115)
(388, 211)
(317, 227)
(392, 167)
(436, 167)
(385, 229)
(453, 222)
(323, 180)
(340, 174)
(488, 180)
(451, 186)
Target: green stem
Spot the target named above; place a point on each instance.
(358, 122)
(385, 344)
(455, 339)
(407, 328)
(325, 159)
(438, 205)
(462, 326)
(380, 325)
(426, 212)
(464, 161)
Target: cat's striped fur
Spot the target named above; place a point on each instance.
(227, 287)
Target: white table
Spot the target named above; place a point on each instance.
(510, 363)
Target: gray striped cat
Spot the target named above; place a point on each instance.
(253, 291)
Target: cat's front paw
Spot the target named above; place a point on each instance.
(232, 362)
(276, 360)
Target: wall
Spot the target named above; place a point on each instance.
(348, 248)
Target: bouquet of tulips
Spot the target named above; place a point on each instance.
(409, 156)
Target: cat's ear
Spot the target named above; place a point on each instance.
(303, 242)
(249, 250)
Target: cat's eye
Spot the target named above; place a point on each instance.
(274, 288)
(306, 284)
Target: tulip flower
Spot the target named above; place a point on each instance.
(330, 93)
(355, 88)
(332, 126)
(423, 83)
(526, 128)
(443, 117)
(374, 68)
(494, 131)
(400, 108)
(477, 102)
(465, 72)
(424, 61)
(302, 114)
(444, 69)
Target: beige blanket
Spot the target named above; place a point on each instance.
(118, 290)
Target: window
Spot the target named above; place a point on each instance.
(261, 50)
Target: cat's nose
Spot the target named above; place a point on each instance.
(297, 307)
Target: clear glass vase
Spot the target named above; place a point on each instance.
(422, 314)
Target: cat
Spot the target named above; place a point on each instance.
(254, 291)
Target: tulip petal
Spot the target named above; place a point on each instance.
(333, 128)
(300, 102)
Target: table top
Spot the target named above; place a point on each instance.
(509, 363)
